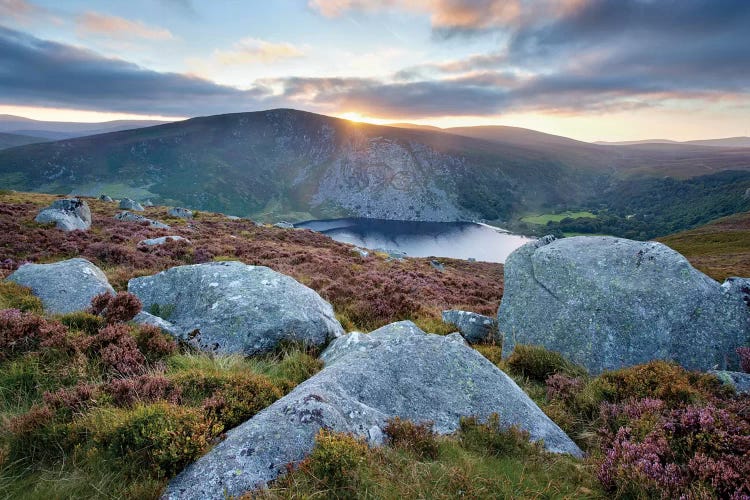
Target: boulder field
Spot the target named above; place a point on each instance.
(397, 370)
(607, 303)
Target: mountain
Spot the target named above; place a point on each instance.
(292, 164)
(728, 142)
(66, 130)
(12, 140)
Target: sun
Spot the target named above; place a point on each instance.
(352, 116)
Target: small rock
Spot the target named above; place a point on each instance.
(182, 213)
(148, 203)
(284, 225)
(128, 204)
(471, 259)
(131, 217)
(233, 217)
(474, 327)
(161, 240)
(739, 380)
(437, 265)
(361, 251)
(65, 286)
(68, 214)
(105, 198)
(144, 318)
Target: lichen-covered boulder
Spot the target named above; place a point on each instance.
(105, 198)
(128, 204)
(475, 328)
(150, 242)
(398, 370)
(145, 318)
(182, 213)
(230, 307)
(68, 214)
(65, 286)
(607, 302)
(131, 217)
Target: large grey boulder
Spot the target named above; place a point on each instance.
(608, 302)
(475, 328)
(65, 286)
(131, 217)
(128, 204)
(105, 198)
(397, 370)
(182, 213)
(68, 214)
(230, 307)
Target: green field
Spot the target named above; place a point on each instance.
(545, 218)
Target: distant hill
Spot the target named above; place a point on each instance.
(720, 249)
(415, 126)
(12, 140)
(288, 164)
(66, 130)
(728, 142)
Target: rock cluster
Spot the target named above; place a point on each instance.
(68, 214)
(131, 217)
(128, 204)
(397, 370)
(182, 213)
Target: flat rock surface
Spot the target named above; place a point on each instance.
(397, 370)
(65, 286)
(607, 302)
(231, 307)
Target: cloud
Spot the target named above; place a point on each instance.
(94, 23)
(38, 72)
(255, 50)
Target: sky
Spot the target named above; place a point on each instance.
(587, 69)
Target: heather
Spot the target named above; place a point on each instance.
(366, 293)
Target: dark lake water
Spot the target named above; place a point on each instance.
(458, 240)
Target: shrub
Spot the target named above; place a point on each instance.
(119, 308)
(34, 435)
(160, 436)
(144, 389)
(417, 438)
(73, 399)
(83, 321)
(490, 437)
(22, 332)
(228, 398)
(153, 343)
(538, 363)
(335, 460)
(690, 451)
(662, 380)
(561, 386)
(117, 349)
(744, 354)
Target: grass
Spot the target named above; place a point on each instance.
(720, 249)
(466, 465)
(545, 218)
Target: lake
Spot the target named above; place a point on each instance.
(458, 240)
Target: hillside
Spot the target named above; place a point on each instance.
(720, 249)
(13, 140)
(287, 164)
(726, 142)
(51, 130)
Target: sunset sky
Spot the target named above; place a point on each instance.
(588, 69)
